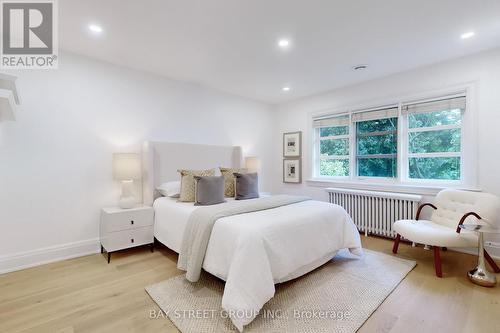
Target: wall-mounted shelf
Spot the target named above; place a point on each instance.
(9, 97)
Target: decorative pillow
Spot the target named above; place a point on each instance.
(228, 174)
(187, 182)
(170, 189)
(247, 186)
(209, 190)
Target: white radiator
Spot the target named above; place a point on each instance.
(375, 212)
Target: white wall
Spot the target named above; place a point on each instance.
(483, 69)
(55, 160)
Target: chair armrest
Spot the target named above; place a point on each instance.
(462, 220)
(420, 209)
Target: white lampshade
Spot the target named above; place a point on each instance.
(126, 166)
(252, 163)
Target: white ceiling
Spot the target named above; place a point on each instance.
(231, 44)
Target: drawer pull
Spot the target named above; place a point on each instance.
(132, 240)
(132, 222)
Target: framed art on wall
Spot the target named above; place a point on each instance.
(292, 172)
(292, 144)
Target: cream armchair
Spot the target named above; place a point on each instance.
(451, 209)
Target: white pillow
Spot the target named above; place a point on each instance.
(170, 189)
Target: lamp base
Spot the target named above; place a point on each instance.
(127, 202)
(482, 277)
(127, 199)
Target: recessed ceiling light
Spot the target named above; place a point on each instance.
(95, 28)
(360, 67)
(467, 35)
(283, 43)
(286, 89)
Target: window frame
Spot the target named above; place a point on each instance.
(467, 157)
(356, 156)
(317, 144)
(468, 151)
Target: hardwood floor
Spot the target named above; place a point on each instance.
(88, 295)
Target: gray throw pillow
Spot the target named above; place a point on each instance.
(247, 186)
(209, 190)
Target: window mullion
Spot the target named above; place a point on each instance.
(316, 153)
(377, 156)
(402, 137)
(380, 133)
(433, 128)
(434, 155)
(334, 137)
(352, 148)
(335, 157)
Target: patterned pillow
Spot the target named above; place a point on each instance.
(187, 182)
(228, 174)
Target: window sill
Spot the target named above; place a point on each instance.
(426, 190)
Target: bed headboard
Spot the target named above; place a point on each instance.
(161, 160)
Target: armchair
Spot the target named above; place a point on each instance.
(451, 209)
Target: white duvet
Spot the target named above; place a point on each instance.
(253, 251)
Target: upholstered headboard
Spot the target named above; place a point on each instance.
(161, 160)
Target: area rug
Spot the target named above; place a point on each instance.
(337, 297)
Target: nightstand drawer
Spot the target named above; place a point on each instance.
(125, 239)
(126, 220)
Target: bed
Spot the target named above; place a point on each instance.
(251, 251)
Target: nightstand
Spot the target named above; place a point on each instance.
(126, 228)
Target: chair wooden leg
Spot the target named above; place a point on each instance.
(396, 244)
(492, 262)
(437, 261)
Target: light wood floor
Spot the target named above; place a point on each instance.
(88, 295)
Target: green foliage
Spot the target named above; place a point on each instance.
(435, 168)
(435, 141)
(375, 137)
(334, 147)
(334, 168)
(377, 144)
(379, 137)
(438, 118)
(440, 141)
(379, 125)
(333, 131)
(377, 167)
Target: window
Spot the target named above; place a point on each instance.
(407, 142)
(434, 139)
(333, 146)
(376, 143)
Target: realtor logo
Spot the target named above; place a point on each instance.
(29, 34)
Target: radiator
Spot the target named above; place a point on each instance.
(375, 212)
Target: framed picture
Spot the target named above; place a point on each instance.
(292, 144)
(292, 172)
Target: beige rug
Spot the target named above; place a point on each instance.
(337, 297)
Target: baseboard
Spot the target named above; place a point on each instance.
(493, 252)
(23, 260)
